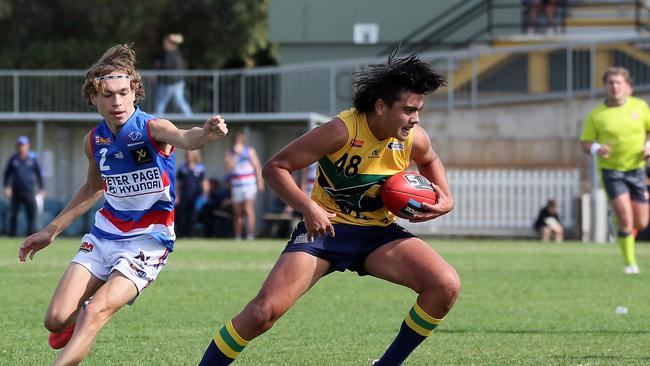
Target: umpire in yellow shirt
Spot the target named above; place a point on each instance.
(616, 131)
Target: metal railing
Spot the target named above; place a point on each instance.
(476, 77)
(488, 202)
(504, 202)
(466, 22)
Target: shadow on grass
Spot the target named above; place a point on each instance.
(543, 331)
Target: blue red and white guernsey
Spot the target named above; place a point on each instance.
(139, 180)
(243, 174)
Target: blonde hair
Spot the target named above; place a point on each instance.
(617, 71)
(175, 38)
(120, 57)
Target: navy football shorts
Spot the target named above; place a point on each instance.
(618, 182)
(349, 248)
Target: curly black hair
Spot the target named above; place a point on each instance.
(388, 81)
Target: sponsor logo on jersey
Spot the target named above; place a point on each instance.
(396, 146)
(102, 140)
(135, 135)
(375, 154)
(86, 247)
(133, 183)
(141, 155)
(635, 116)
(356, 143)
(119, 155)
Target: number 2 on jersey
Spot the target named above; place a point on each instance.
(102, 162)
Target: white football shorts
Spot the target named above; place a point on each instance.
(244, 193)
(139, 259)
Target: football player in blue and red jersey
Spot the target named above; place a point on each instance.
(131, 164)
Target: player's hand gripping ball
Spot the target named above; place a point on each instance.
(404, 193)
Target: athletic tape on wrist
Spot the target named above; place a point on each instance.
(594, 148)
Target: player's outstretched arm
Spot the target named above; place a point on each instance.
(430, 166)
(166, 132)
(85, 198)
(299, 154)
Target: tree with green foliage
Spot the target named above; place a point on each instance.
(69, 34)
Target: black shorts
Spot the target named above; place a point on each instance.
(350, 247)
(633, 182)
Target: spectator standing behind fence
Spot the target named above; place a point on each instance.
(548, 223)
(171, 86)
(190, 185)
(21, 177)
(531, 10)
(246, 180)
(616, 131)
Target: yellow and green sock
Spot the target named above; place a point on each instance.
(416, 327)
(224, 348)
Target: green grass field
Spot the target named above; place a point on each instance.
(522, 303)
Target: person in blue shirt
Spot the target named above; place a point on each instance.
(191, 184)
(21, 177)
(216, 213)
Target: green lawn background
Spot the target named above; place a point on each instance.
(522, 303)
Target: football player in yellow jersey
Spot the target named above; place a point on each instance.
(617, 132)
(345, 225)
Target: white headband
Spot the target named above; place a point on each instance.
(107, 77)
